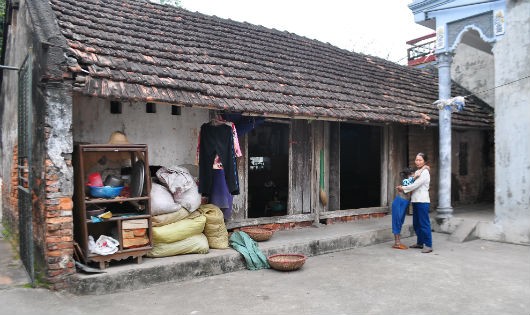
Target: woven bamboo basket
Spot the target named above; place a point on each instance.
(258, 233)
(286, 262)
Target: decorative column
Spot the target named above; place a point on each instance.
(444, 210)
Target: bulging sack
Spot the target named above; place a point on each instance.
(215, 228)
(179, 230)
(168, 218)
(196, 244)
(162, 201)
(181, 185)
(177, 179)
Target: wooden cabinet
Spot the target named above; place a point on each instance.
(130, 223)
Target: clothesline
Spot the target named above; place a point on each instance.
(496, 87)
(459, 102)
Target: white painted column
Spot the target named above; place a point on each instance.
(444, 210)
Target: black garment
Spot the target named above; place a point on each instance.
(217, 140)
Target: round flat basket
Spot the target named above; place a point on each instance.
(258, 234)
(286, 262)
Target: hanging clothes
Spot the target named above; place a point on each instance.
(217, 164)
(220, 196)
(244, 124)
(217, 140)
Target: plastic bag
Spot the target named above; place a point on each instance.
(105, 245)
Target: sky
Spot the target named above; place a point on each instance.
(375, 27)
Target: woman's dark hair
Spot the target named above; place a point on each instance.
(424, 156)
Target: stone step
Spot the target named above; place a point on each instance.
(310, 241)
(465, 231)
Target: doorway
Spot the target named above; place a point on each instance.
(268, 170)
(360, 166)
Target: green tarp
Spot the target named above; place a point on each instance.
(255, 259)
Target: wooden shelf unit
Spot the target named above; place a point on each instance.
(103, 158)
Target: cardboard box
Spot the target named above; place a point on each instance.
(134, 224)
(135, 242)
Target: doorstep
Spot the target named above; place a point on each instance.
(310, 241)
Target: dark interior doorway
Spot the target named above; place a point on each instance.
(360, 166)
(268, 173)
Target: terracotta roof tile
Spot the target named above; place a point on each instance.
(137, 50)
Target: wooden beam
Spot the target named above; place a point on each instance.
(352, 212)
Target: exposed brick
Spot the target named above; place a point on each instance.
(53, 259)
(59, 232)
(60, 220)
(56, 239)
(54, 273)
(60, 267)
(65, 204)
(66, 213)
(54, 230)
(52, 213)
(52, 189)
(67, 247)
(52, 247)
(52, 201)
(67, 226)
(52, 177)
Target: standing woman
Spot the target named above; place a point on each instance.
(420, 204)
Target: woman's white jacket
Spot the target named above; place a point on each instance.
(420, 187)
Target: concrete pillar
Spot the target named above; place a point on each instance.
(444, 210)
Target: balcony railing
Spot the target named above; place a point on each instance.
(421, 50)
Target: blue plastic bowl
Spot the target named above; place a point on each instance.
(105, 191)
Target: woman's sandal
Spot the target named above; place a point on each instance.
(399, 246)
(416, 246)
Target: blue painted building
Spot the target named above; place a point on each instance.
(500, 31)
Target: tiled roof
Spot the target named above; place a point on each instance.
(136, 50)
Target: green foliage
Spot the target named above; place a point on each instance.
(2, 13)
(11, 238)
(2, 9)
(5, 233)
(2, 16)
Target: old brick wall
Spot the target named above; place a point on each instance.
(471, 183)
(10, 194)
(58, 229)
(54, 148)
(57, 186)
(304, 224)
(472, 176)
(426, 140)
